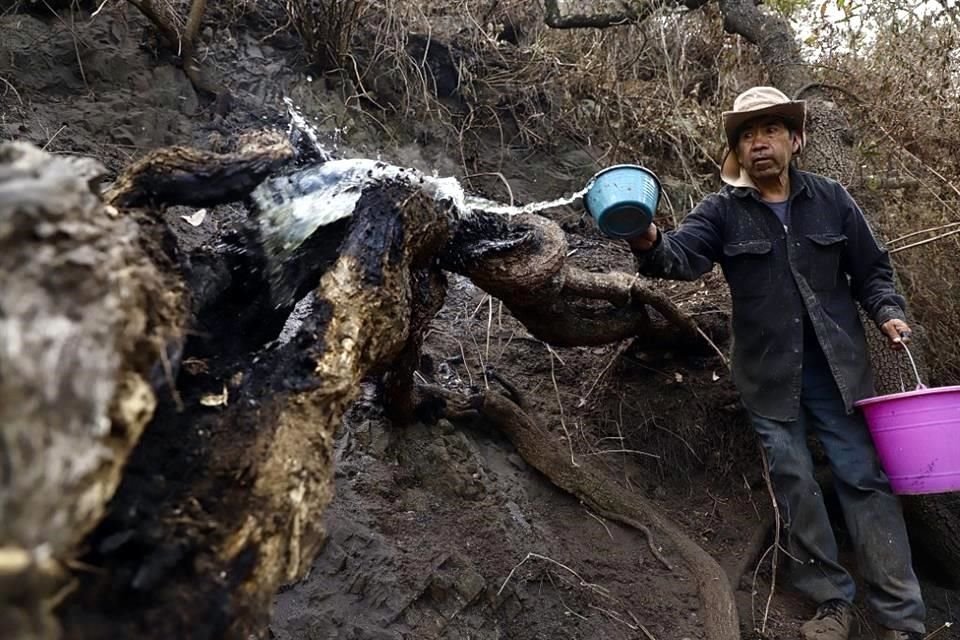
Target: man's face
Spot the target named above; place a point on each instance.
(765, 148)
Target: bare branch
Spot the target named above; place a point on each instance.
(774, 37)
(630, 13)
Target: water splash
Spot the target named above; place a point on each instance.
(294, 206)
(299, 127)
(291, 208)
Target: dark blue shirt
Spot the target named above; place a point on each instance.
(782, 209)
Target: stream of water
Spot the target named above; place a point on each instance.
(294, 206)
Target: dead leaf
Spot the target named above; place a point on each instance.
(196, 219)
(678, 377)
(195, 366)
(715, 376)
(215, 399)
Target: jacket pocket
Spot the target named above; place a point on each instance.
(826, 251)
(748, 266)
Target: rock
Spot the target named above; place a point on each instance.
(469, 585)
(517, 461)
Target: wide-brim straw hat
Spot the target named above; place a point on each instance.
(755, 103)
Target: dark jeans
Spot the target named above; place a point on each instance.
(872, 513)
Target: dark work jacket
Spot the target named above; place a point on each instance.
(822, 266)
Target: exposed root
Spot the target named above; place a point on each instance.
(185, 176)
(642, 528)
(522, 261)
(595, 490)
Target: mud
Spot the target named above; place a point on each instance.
(431, 522)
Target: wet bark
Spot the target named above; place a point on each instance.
(522, 261)
(199, 538)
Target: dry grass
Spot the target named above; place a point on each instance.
(327, 28)
(646, 93)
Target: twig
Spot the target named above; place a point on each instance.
(723, 358)
(927, 241)
(563, 423)
(626, 476)
(642, 528)
(613, 359)
(753, 588)
(922, 231)
(483, 365)
(44, 147)
(73, 33)
(537, 556)
(646, 632)
(606, 451)
(560, 597)
(751, 552)
(600, 520)
(613, 616)
(171, 380)
(776, 539)
(944, 626)
(99, 9)
(463, 355)
(12, 88)
(486, 353)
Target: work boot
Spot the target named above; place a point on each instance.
(892, 634)
(832, 622)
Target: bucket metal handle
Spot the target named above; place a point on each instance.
(916, 373)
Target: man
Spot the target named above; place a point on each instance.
(798, 255)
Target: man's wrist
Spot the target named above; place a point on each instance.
(889, 312)
(641, 243)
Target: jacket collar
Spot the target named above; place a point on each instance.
(798, 185)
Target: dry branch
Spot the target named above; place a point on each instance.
(631, 11)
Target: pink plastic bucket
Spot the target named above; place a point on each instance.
(917, 436)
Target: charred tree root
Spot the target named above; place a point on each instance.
(184, 176)
(249, 518)
(241, 517)
(534, 445)
(523, 263)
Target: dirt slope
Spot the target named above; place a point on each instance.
(431, 522)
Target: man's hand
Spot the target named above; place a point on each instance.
(644, 241)
(897, 331)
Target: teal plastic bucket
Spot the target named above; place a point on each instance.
(623, 199)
